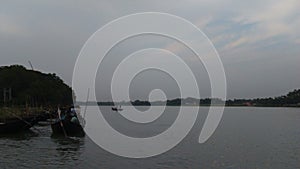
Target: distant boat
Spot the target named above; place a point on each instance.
(68, 125)
(17, 125)
(117, 108)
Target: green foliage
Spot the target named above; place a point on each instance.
(291, 99)
(7, 113)
(33, 88)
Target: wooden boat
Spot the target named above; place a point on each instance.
(44, 116)
(116, 108)
(67, 126)
(17, 125)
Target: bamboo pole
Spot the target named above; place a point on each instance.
(61, 123)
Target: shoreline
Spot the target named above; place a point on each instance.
(12, 113)
(198, 106)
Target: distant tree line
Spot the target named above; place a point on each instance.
(33, 88)
(292, 99)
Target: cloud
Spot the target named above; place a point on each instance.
(203, 22)
(175, 47)
(238, 42)
(10, 27)
(47, 31)
(274, 19)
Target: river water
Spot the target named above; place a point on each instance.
(247, 137)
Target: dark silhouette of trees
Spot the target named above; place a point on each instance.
(33, 88)
(291, 99)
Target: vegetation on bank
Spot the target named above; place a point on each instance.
(14, 112)
(292, 99)
(26, 93)
(31, 88)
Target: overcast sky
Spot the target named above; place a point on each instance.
(258, 41)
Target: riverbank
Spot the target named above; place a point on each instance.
(20, 112)
(187, 105)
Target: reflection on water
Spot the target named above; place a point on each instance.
(246, 138)
(32, 149)
(26, 135)
(68, 149)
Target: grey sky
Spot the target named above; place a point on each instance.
(258, 41)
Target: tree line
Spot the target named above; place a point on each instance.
(32, 88)
(292, 99)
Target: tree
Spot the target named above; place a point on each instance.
(33, 87)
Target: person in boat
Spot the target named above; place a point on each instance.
(68, 114)
(70, 125)
(71, 115)
(61, 115)
(74, 118)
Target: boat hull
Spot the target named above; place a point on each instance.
(71, 129)
(116, 109)
(16, 125)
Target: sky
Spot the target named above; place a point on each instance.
(258, 41)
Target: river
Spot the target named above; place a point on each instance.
(247, 137)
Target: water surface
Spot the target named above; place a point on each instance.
(246, 138)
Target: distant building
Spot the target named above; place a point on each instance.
(248, 104)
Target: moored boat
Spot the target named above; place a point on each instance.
(16, 125)
(67, 128)
(67, 124)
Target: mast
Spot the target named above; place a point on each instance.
(30, 64)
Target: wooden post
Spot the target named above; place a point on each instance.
(7, 91)
(4, 95)
(9, 96)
